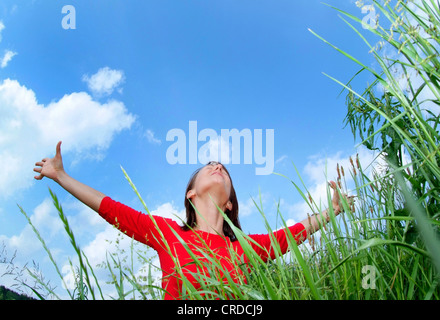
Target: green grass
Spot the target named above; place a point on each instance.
(387, 246)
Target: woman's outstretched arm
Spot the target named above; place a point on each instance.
(53, 168)
(316, 221)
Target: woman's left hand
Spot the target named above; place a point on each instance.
(336, 199)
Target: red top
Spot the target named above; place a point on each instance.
(152, 230)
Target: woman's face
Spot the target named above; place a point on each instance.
(213, 179)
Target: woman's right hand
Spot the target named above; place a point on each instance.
(51, 167)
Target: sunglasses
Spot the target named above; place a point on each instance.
(213, 163)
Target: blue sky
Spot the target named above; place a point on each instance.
(132, 71)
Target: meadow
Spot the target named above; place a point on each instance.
(387, 245)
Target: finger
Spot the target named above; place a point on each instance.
(38, 177)
(38, 170)
(40, 164)
(58, 149)
(332, 184)
(335, 189)
(336, 200)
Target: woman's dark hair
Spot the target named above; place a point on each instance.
(231, 214)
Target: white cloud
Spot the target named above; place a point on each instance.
(25, 242)
(2, 27)
(6, 58)
(151, 138)
(97, 249)
(248, 207)
(45, 220)
(281, 159)
(45, 217)
(8, 55)
(216, 149)
(29, 131)
(167, 210)
(105, 81)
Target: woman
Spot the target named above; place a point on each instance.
(206, 232)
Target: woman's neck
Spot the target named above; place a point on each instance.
(209, 218)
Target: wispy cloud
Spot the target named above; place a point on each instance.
(281, 159)
(2, 27)
(105, 81)
(149, 134)
(8, 55)
(6, 58)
